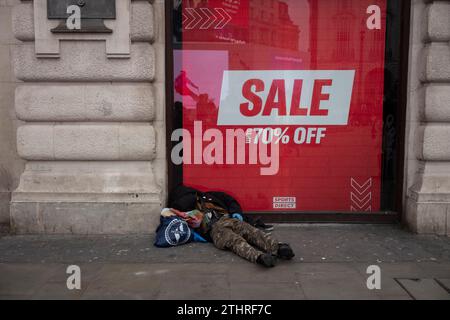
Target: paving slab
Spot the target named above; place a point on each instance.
(124, 281)
(266, 291)
(246, 272)
(194, 286)
(424, 289)
(24, 279)
(331, 263)
(445, 283)
(336, 287)
(312, 243)
(55, 286)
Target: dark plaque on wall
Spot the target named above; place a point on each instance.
(92, 14)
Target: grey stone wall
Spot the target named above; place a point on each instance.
(93, 131)
(427, 204)
(11, 165)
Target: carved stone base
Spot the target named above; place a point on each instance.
(86, 198)
(428, 200)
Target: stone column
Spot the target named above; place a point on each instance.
(94, 137)
(11, 165)
(428, 136)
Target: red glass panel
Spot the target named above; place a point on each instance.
(307, 73)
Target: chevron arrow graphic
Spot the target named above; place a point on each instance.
(226, 18)
(361, 195)
(205, 18)
(185, 18)
(361, 189)
(211, 18)
(361, 202)
(196, 18)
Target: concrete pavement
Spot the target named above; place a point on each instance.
(331, 263)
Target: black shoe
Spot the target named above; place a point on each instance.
(261, 225)
(267, 227)
(285, 251)
(267, 260)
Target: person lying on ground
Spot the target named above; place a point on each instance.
(232, 233)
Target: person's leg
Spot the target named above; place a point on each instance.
(256, 237)
(224, 238)
(262, 240)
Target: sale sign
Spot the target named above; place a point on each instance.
(282, 102)
(293, 97)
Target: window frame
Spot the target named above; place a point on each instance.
(397, 38)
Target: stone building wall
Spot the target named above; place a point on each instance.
(11, 166)
(428, 114)
(93, 135)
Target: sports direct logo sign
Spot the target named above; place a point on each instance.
(286, 97)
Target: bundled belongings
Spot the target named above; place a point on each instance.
(177, 228)
(194, 218)
(172, 231)
(218, 218)
(185, 199)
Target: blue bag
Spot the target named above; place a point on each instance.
(173, 231)
(199, 238)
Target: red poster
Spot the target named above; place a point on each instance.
(301, 81)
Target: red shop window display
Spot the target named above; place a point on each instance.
(287, 105)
